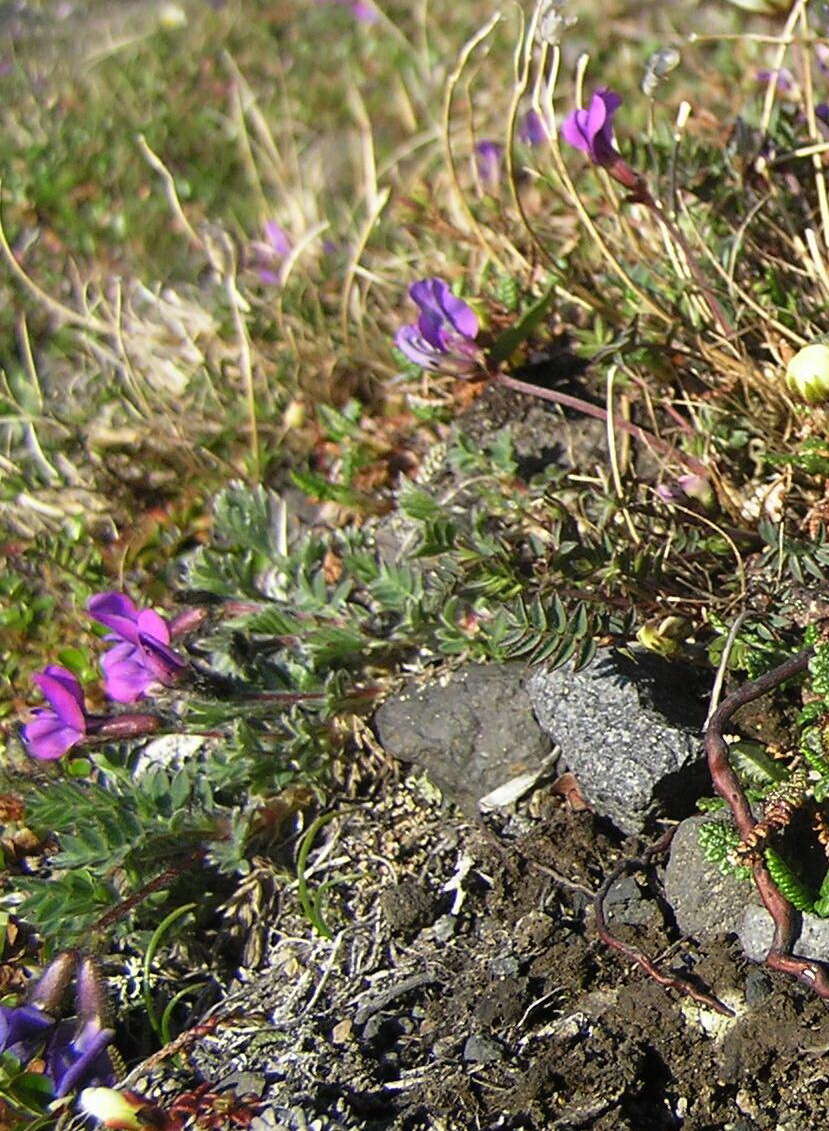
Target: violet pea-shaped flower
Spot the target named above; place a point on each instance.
(141, 656)
(488, 157)
(443, 338)
(531, 129)
(77, 1055)
(270, 252)
(591, 131)
(22, 1029)
(60, 726)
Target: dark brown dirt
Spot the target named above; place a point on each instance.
(465, 987)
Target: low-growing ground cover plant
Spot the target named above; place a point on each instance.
(672, 287)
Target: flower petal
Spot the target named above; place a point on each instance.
(425, 295)
(411, 342)
(277, 238)
(149, 623)
(64, 694)
(164, 664)
(117, 611)
(596, 117)
(126, 675)
(461, 316)
(573, 130)
(48, 738)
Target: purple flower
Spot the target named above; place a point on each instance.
(269, 253)
(690, 488)
(488, 156)
(443, 338)
(783, 78)
(591, 130)
(77, 1055)
(365, 13)
(60, 726)
(532, 130)
(22, 1029)
(77, 1051)
(142, 655)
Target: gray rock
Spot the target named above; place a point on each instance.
(758, 986)
(756, 931)
(471, 733)
(629, 729)
(624, 903)
(482, 1050)
(705, 902)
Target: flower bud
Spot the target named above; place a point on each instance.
(124, 1111)
(664, 636)
(807, 374)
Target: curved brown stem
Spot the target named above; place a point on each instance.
(727, 784)
(674, 981)
(568, 401)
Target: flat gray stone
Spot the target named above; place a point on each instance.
(471, 733)
(757, 929)
(629, 729)
(705, 902)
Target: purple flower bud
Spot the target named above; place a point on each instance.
(141, 656)
(532, 130)
(90, 994)
(443, 338)
(60, 726)
(48, 991)
(488, 156)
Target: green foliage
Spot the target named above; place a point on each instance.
(788, 881)
(116, 833)
(718, 841)
(821, 904)
(27, 1093)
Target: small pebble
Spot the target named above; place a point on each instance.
(482, 1050)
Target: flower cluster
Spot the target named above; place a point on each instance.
(75, 1050)
(140, 658)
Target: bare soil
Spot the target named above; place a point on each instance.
(464, 986)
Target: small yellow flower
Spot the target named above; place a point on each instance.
(807, 374)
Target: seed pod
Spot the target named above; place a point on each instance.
(807, 374)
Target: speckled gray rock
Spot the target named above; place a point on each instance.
(471, 732)
(629, 729)
(705, 902)
(756, 930)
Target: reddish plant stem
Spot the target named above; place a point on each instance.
(160, 881)
(811, 973)
(673, 981)
(599, 413)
